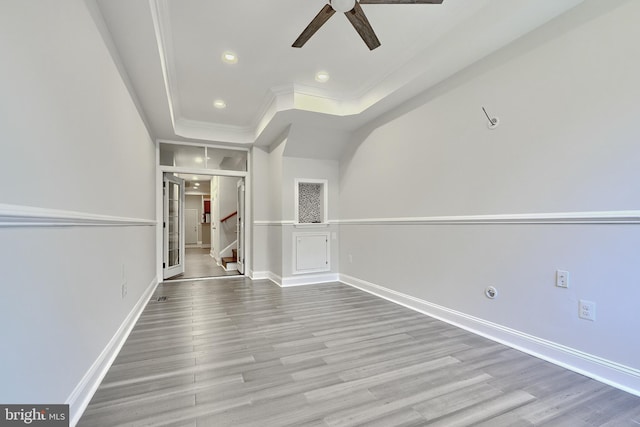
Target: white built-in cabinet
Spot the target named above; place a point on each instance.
(311, 248)
(311, 251)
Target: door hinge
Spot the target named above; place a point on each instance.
(164, 265)
(164, 225)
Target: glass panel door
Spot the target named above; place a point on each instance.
(173, 222)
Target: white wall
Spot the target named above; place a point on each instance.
(567, 98)
(258, 244)
(267, 210)
(70, 130)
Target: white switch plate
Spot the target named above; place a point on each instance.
(587, 310)
(562, 279)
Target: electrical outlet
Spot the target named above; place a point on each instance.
(124, 290)
(562, 279)
(587, 310)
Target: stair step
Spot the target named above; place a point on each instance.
(228, 259)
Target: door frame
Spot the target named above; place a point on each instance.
(240, 226)
(197, 171)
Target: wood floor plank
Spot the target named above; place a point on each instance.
(133, 411)
(239, 352)
(484, 410)
(378, 379)
(354, 350)
(457, 400)
(364, 414)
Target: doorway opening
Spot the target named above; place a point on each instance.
(203, 226)
(201, 205)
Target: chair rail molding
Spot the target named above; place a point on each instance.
(28, 216)
(590, 217)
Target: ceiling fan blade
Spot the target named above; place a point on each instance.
(360, 22)
(317, 22)
(401, 1)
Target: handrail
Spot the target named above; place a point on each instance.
(229, 216)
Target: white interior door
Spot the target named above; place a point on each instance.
(191, 226)
(173, 225)
(215, 219)
(240, 226)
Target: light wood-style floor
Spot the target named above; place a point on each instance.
(234, 352)
(198, 264)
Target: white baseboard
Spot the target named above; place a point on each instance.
(298, 280)
(256, 275)
(606, 371)
(86, 388)
(309, 279)
(265, 275)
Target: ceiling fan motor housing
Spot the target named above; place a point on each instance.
(343, 5)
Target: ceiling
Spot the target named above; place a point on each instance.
(196, 184)
(169, 52)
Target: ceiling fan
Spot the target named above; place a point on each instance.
(355, 15)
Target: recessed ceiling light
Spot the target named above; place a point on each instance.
(322, 76)
(197, 184)
(219, 104)
(229, 57)
(199, 160)
(195, 178)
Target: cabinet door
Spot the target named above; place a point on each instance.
(311, 252)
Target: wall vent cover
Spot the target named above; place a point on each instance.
(162, 299)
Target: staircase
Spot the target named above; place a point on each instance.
(230, 262)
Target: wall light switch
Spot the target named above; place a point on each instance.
(562, 279)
